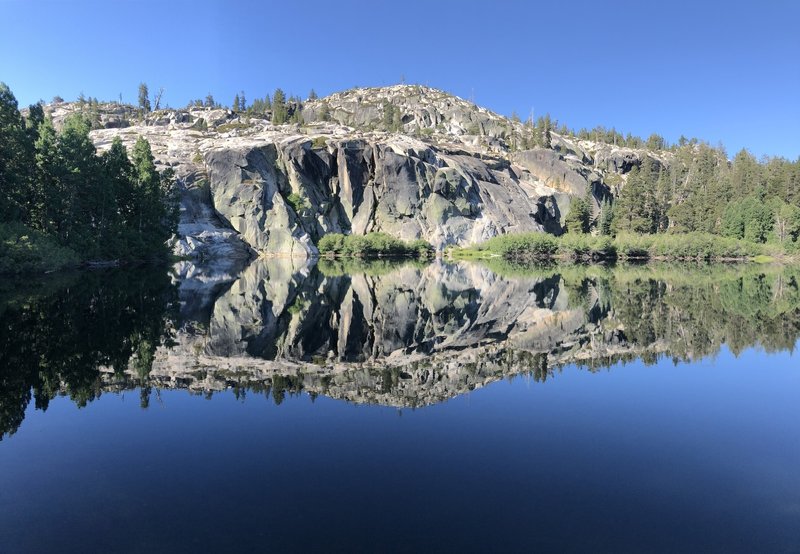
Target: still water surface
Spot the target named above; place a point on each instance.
(402, 408)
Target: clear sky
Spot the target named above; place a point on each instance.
(721, 71)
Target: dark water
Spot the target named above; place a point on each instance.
(411, 408)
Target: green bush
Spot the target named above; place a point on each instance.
(297, 202)
(687, 246)
(331, 244)
(372, 245)
(522, 246)
(586, 246)
(23, 250)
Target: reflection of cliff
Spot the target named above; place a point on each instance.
(412, 335)
(275, 311)
(407, 335)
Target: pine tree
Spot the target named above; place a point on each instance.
(606, 222)
(389, 112)
(144, 97)
(236, 107)
(279, 110)
(324, 112)
(634, 212)
(312, 95)
(16, 158)
(577, 220)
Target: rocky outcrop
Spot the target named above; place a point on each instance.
(406, 160)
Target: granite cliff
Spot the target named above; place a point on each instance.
(407, 160)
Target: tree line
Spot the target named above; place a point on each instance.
(54, 184)
(700, 190)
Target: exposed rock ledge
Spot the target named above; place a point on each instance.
(251, 188)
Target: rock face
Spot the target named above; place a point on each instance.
(283, 196)
(406, 160)
(404, 335)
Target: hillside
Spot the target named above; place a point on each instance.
(416, 162)
(411, 161)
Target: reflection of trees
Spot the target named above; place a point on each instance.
(53, 340)
(695, 317)
(56, 336)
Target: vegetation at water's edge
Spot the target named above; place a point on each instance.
(61, 203)
(372, 245)
(688, 246)
(337, 267)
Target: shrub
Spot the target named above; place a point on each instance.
(372, 245)
(687, 246)
(23, 250)
(331, 244)
(297, 202)
(522, 246)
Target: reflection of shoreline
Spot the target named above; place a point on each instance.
(381, 333)
(445, 329)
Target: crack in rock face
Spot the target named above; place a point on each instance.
(443, 170)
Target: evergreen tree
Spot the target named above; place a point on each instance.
(15, 158)
(297, 115)
(746, 175)
(606, 222)
(236, 107)
(389, 112)
(633, 212)
(577, 220)
(242, 101)
(324, 112)
(787, 221)
(144, 97)
(279, 111)
(312, 95)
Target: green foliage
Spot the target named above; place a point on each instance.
(606, 221)
(66, 328)
(542, 246)
(522, 245)
(372, 245)
(297, 202)
(26, 250)
(58, 189)
(297, 115)
(750, 218)
(16, 158)
(635, 208)
(579, 216)
(144, 97)
(391, 117)
(319, 142)
(337, 267)
(280, 113)
(232, 126)
(324, 112)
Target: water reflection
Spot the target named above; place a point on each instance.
(58, 334)
(387, 333)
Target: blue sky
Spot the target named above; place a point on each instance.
(721, 71)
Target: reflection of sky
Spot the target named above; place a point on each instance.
(699, 456)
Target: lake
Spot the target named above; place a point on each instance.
(402, 407)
